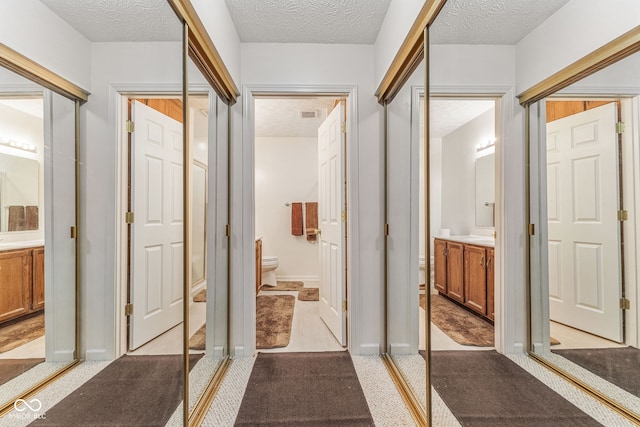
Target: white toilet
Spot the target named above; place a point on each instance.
(269, 265)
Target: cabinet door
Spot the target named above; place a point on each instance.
(490, 284)
(15, 283)
(475, 278)
(440, 265)
(37, 298)
(455, 271)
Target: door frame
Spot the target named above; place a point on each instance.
(118, 97)
(630, 102)
(505, 341)
(353, 290)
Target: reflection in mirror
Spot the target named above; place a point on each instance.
(485, 189)
(406, 342)
(587, 168)
(37, 203)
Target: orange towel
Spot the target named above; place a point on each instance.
(296, 219)
(312, 220)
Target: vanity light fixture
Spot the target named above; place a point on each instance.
(19, 145)
(487, 144)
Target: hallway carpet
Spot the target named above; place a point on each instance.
(304, 389)
(131, 391)
(616, 365)
(484, 388)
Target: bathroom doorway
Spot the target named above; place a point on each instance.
(296, 308)
(463, 143)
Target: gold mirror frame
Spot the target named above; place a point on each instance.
(612, 52)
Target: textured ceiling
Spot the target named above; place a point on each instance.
(490, 21)
(119, 20)
(281, 116)
(447, 115)
(308, 21)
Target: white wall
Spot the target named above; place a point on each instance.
(216, 19)
(286, 172)
(399, 18)
(575, 30)
(458, 172)
(303, 65)
(55, 45)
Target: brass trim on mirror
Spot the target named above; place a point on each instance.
(617, 49)
(409, 398)
(204, 53)
(410, 53)
(20, 64)
(205, 400)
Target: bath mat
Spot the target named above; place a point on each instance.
(304, 389)
(484, 388)
(284, 286)
(200, 296)
(463, 327)
(198, 340)
(15, 334)
(274, 314)
(309, 294)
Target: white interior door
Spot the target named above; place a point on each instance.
(156, 242)
(584, 235)
(330, 207)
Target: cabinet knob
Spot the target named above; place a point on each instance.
(482, 264)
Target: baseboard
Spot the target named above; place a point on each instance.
(238, 351)
(298, 278)
(399, 349)
(96, 355)
(518, 348)
(197, 288)
(369, 350)
(62, 356)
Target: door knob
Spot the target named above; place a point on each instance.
(318, 231)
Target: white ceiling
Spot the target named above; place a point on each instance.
(308, 21)
(280, 117)
(119, 20)
(447, 115)
(490, 21)
(31, 106)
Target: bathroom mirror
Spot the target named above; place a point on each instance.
(19, 193)
(485, 190)
(584, 197)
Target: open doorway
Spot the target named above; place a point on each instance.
(463, 220)
(300, 222)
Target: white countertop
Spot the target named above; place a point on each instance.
(6, 246)
(471, 240)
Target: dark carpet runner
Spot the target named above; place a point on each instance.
(620, 366)
(484, 388)
(304, 389)
(131, 391)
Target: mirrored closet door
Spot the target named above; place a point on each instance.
(584, 199)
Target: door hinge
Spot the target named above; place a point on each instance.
(625, 304)
(343, 127)
(128, 309)
(619, 128)
(386, 229)
(73, 232)
(128, 217)
(228, 230)
(532, 230)
(344, 216)
(344, 306)
(130, 126)
(623, 215)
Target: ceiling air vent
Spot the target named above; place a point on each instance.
(309, 114)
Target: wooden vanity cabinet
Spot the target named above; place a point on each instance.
(464, 272)
(475, 278)
(490, 284)
(449, 269)
(21, 282)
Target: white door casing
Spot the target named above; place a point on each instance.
(584, 236)
(331, 142)
(156, 242)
